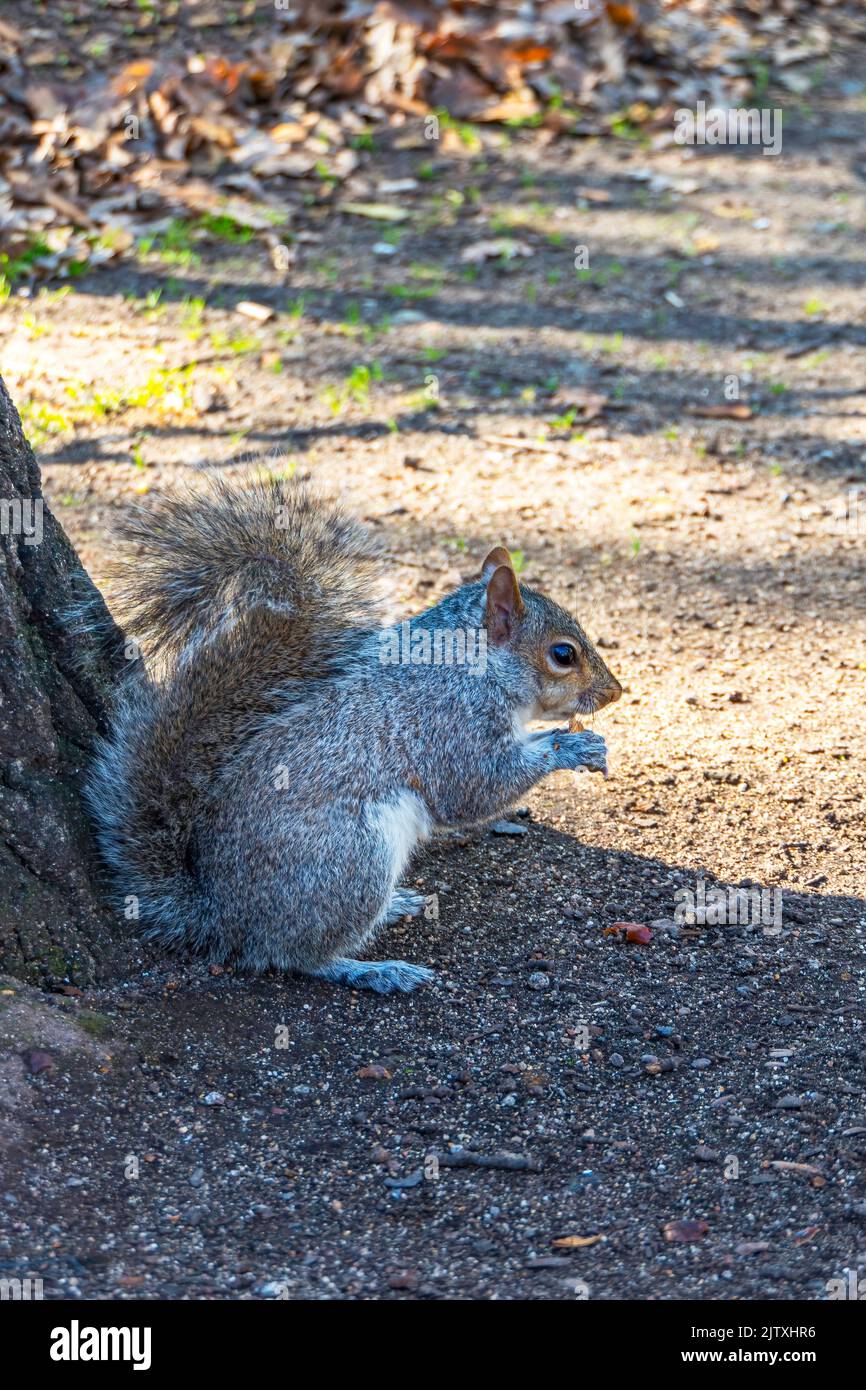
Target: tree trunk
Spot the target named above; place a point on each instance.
(54, 688)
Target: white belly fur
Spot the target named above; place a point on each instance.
(402, 822)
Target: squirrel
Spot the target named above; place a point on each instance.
(266, 778)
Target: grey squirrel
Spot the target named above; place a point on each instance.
(264, 784)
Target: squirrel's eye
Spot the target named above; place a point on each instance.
(563, 654)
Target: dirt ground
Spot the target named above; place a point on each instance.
(197, 1134)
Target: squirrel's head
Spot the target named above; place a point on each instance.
(571, 676)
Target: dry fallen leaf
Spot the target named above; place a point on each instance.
(260, 117)
(513, 108)
(635, 932)
(638, 934)
(703, 242)
(808, 1233)
(622, 14)
(379, 212)
(685, 1232)
(785, 1167)
(253, 310)
(723, 412)
(288, 132)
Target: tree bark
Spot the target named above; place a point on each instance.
(54, 692)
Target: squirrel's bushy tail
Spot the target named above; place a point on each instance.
(237, 591)
(206, 561)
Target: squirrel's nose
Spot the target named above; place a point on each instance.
(611, 692)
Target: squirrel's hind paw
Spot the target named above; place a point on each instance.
(382, 976)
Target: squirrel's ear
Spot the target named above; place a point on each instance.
(497, 557)
(504, 605)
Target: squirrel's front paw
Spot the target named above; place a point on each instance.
(584, 749)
